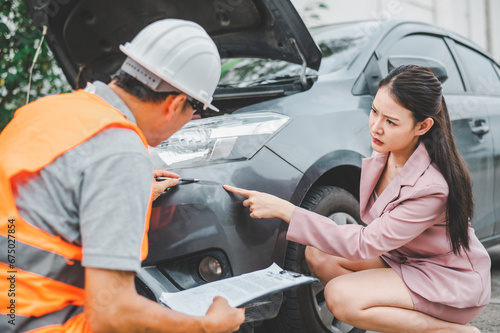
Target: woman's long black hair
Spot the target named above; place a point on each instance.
(417, 89)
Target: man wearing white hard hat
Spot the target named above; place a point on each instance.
(76, 190)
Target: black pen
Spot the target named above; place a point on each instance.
(183, 180)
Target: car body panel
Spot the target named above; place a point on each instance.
(494, 124)
(482, 102)
(478, 154)
(194, 217)
(333, 116)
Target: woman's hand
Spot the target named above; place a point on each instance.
(161, 186)
(263, 205)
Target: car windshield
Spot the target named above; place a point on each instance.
(340, 44)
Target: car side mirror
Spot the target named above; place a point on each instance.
(436, 66)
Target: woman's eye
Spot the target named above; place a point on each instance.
(373, 110)
(390, 122)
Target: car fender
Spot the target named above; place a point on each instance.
(341, 168)
(345, 159)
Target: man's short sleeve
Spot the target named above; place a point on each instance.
(114, 199)
(95, 196)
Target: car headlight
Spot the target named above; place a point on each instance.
(219, 139)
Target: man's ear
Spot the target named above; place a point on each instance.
(424, 126)
(173, 104)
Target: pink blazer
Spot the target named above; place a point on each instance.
(406, 227)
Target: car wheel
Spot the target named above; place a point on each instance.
(304, 309)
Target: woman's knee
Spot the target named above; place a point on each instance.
(338, 297)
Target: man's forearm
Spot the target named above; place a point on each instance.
(113, 305)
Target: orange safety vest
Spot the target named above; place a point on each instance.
(41, 274)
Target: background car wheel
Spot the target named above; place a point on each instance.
(304, 309)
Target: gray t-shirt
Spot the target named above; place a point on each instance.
(95, 195)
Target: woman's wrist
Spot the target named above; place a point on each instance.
(287, 211)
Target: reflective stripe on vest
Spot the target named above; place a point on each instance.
(48, 323)
(45, 269)
(44, 263)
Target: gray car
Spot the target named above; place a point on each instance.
(294, 122)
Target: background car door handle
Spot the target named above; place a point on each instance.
(480, 127)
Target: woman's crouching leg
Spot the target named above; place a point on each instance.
(326, 267)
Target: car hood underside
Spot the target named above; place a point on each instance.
(85, 35)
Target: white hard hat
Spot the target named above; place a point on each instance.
(173, 55)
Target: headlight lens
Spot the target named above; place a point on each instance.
(210, 269)
(219, 139)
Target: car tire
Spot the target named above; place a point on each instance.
(304, 309)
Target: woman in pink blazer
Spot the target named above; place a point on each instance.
(417, 265)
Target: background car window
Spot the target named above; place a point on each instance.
(339, 44)
(247, 72)
(432, 47)
(497, 69)
(482, 78)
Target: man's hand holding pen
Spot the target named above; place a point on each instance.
(166, 179)
(163, 180)
(181, 180)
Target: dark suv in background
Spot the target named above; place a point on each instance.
(294, 122)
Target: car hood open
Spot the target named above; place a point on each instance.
(84, 35)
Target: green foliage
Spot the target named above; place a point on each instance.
(20, 38)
